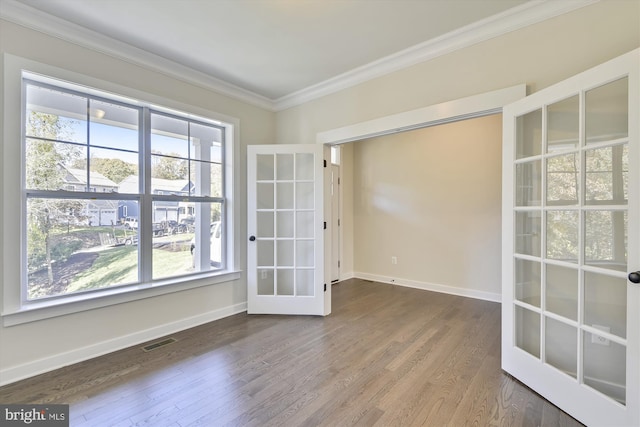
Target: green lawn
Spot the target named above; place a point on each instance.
(119, 265)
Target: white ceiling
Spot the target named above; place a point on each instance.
(271, 49)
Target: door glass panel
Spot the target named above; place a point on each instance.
(264, 167)
(563, 179)
(605, 366)
(562, 125)
(528, 240)
(265, 253)
(304, 195)
(265, 195)
(562, 235)
(304, 224)
(285, 224)
(265, 281)
(284, 195)
(304, 282)
(528, 184)
(284, 166)
(527, 328)
(561, 346)
(529, 134)
(304, 166)
(265, 224)
(528, 281)
(605, 303)
(607, 111)
(562, 291)
(304, 253)
(606, 239)
(607, 175)
(285, 282)
(285, 252)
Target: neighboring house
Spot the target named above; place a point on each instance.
(163, 210)
(76, 180)
(98, 212)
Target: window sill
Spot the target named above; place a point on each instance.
(40, 310)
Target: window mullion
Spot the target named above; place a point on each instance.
(146, 202)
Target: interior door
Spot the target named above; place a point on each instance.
(286, 227)
(335, 223)
(571, 240)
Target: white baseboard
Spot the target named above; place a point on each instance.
(346, 276)
(464, 292)
(40, 366)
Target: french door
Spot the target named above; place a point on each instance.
(286, 227)
(571, 243)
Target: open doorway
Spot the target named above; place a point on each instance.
(394, 236)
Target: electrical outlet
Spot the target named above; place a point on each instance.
(596, 339)
(394, 260)
(263, 274)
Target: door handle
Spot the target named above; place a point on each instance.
(252, 238)
(634, 277)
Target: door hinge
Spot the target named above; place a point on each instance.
(325, 225)
(325, 287)
(338, 264)
(325, 163)
(338, 222)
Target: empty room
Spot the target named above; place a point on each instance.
(332, 213)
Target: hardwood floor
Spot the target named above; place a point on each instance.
(387, 356)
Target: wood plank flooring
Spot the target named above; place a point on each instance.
(387, 356)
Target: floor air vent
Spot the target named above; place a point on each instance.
(159, 344)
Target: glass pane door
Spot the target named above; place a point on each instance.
(571, 239)
(285, 213)
(571, 269)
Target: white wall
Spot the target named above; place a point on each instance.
(29, 348)
(431, 198)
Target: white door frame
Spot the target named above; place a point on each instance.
(452, 111)
(461, 109)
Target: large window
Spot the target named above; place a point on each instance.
(117, 193)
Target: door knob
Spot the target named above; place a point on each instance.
(634, 277)
(252, 238)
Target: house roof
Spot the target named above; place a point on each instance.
(96, 179)
(130, 185)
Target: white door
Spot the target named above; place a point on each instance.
(286, 230)
(335, 223)
(571, 243)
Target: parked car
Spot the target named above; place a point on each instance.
(176, 227)
(130, 222)
(215, 243)
(188, 223)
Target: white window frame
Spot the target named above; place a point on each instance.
(15, 310)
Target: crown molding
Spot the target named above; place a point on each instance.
(37, 20)
(510, 20)
(529, 13)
